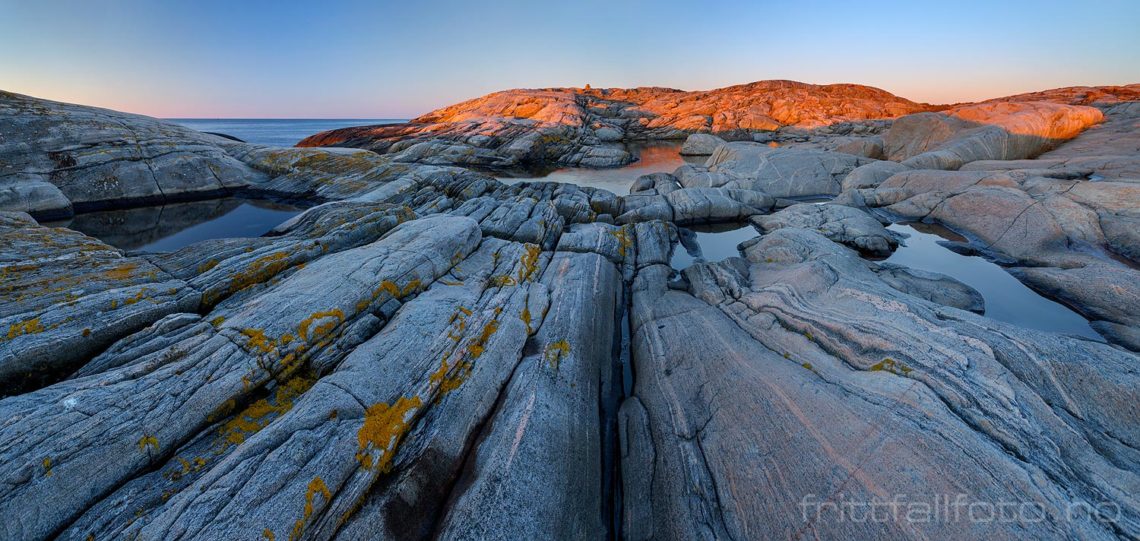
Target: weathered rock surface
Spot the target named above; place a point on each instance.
(572, 126)
(801, 379)
(779, 172)
(700, 144)
(842, 224)
(427, 352)
(987, 131)
(55, 157)
(1076, 235)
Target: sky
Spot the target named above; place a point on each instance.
(399, 59)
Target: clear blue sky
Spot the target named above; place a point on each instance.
(356, 59)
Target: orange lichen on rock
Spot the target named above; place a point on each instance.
(31, 326)
(259, 414)
(207, 266)
(148, 441)
(529, 262)
(555, 351)
(384, 426)
(623, 239)
(121, 272)
(479, 344)
(316, 486)
(323, 329)
(892, 366)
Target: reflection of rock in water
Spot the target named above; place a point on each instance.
(130, 229)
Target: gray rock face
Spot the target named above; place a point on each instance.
(845, 225)
(57, 156)
(777, 172)
(695, 205)
(700, 144)
(931, 286)
(427, 352)
(864, 385)
(987, 131)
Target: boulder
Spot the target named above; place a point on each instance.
(987, 131)
(778, 172)
(842, 224)
(58, 157)
(700, 144)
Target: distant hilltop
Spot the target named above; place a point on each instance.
(571, 126)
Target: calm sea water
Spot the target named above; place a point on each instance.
(652, 157)
(278, 132)
(1007, 299)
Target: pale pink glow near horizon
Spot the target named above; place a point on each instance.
(361, 59)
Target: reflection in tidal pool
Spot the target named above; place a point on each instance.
(170, 227)
(1007, 299)
(710, 243)
(654, 157)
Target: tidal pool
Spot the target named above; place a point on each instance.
(653, 157)
(1007, 299)
(710, 243)
(166, 228)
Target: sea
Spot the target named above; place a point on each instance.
(279, 132)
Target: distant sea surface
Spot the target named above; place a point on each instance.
(278, 132)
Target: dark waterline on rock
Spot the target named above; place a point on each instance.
(710, 243)
(281, 132)
(170, 227)
(1007, 299)
(652, 157)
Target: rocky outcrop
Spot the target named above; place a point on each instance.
(1064, 235)
(988, 131)
(779, 172)
(426, 352)
(779, 387)
(58, 157)
(842, 224)
(577, 127)
(700, 144)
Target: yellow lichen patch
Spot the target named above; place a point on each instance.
(258, 340)
(47, 466)
(260, 270)
(623, 239)
(479, 344)
(138, 297)
(31, 326)
(384, 427)
(389, 287)
(555, 352)
(267, 534)
(316, 486)
(890, 365)
(148, 442)
(525, 317)
(502, 281)
(207, 266)
(217, 322)
(411, 287)
(121, 272)
(333, 318)
(529, 262)
(450, 378)
(259, 414)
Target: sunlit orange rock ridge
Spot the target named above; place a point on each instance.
(565, 125)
